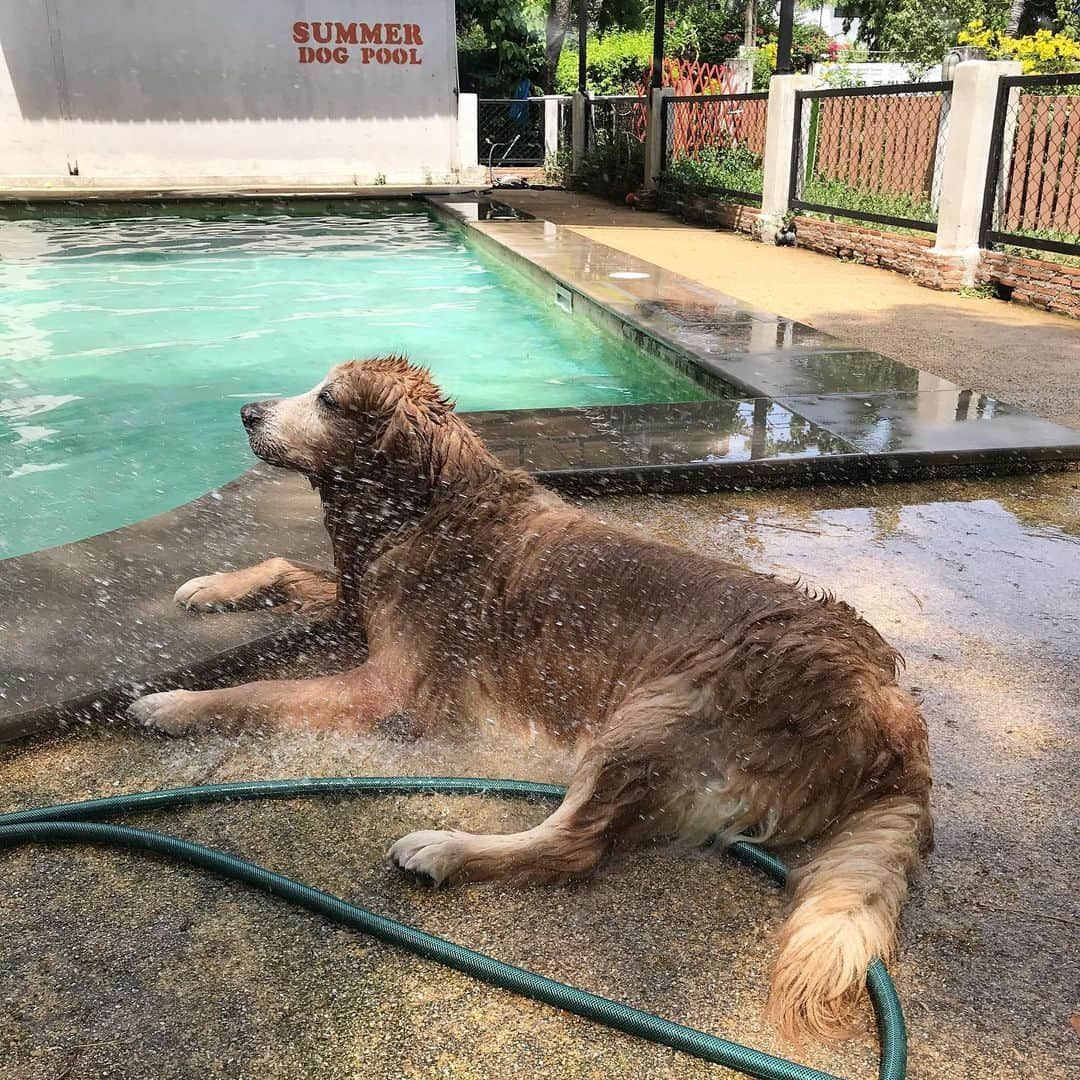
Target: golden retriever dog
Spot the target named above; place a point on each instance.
(702, 699)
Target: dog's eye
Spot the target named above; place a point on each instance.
(327, 399)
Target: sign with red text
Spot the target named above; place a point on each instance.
(360, 42)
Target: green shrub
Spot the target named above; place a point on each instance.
(616, 64)
(614, 164)
(832, 192)
(808, 45)
(717, 168)
(557, 167)
(705, 31)
(835, 75)
(484, 69)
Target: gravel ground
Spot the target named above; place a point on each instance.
(116, 966)
(1015, 353)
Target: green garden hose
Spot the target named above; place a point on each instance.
(79, 823)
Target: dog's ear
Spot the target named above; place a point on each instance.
(406, 439)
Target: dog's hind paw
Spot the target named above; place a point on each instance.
(173, 711)
(436, 854)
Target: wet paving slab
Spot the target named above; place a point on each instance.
(88, 624)
(628, 436)
(932, 421)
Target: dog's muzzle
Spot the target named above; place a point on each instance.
(253, 415)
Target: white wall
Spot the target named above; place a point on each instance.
(215, 89)
(874, 73)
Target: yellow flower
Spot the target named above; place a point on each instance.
(1042, 51)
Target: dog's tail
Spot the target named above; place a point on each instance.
(846, 903)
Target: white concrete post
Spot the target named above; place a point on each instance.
(779, 128)
(742, 74)
(957, 55)
(654, 137)
(551, 126)
(578, 133)
(468, 132)
(967, 152)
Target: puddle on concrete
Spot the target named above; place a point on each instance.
(997, 559)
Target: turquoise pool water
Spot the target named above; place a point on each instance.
(128, 344)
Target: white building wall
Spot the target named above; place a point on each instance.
(877, 73)
(142, 90)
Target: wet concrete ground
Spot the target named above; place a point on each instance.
(116, 966)
(1014, 353)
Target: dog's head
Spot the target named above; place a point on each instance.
(366, 416)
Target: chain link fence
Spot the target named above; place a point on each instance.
(617, 120)
(1033, 180)
(715, 144)
(615, 144)
(511, 131)
(871, 154)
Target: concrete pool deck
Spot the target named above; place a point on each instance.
(123, 967)
(1012, 352)
(884, 414)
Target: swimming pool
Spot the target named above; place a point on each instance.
(129, 342)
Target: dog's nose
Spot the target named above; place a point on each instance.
(252, 415)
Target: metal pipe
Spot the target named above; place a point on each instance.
(658, 45)
(582, 44)
(783, 43)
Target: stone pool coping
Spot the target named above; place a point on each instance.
(89, 625)
(70, 190)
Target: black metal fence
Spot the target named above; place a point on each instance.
(618, 120)
(615, 139)
(1032, 197)
(511, 131)
(871, 154)
(715, 144)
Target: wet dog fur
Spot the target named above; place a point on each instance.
(703, 699)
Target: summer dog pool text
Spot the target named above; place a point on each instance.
(379, 43)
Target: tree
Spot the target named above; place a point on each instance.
(498, 42)
(1016, 13)
(527, 36)
(559, 15)
(604, 15)
(920, 32)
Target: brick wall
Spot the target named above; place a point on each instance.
(910, 255)
(873, 247)
(724, 215)
(1041, 284)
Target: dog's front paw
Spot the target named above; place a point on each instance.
(212, 592)
(174, 711)
(436, 854)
